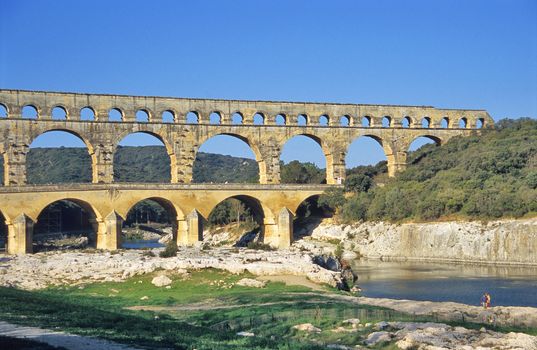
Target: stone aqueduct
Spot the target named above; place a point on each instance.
(189, 204)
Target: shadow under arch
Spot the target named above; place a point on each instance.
(167, 146)
(262, 166)
(3, 232)
(259, 211)
(308, 216)
(88, 145)
(83, 217)
(173, 212)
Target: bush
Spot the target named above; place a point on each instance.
(358, 183)
(170, 250)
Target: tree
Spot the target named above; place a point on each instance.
(358, 183)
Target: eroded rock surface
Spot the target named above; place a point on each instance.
(40, 270)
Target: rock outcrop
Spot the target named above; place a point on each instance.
(40, 270)
(501, 242)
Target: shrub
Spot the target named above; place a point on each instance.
(170, 250)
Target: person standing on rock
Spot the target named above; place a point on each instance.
(484, 300)
(487, 295)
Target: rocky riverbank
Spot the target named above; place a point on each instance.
(37, 271)
(505, 242)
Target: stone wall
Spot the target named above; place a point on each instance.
(502, 241)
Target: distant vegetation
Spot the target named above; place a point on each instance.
(476, 177)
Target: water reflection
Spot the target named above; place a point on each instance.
(508, 285)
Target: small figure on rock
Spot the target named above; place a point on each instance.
(485, 300)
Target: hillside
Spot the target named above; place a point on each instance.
(133, 164)
(477, 177)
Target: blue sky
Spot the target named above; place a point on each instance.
(454, 54)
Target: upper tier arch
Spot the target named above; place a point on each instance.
(182, 140)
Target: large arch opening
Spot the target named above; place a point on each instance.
(149, 223)
(421, 146)
(303, 161)
(142, 157)
(3, 233)
(58, 156)
(308, 216)
(65, 224)
(237, 220)
(227, 159)
(366, 157)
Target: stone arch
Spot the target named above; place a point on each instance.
(406, 122)
(345, 120)
(192, 117)
(92, 218)
(169, 149)
(32, 110)
(83, 138)
(215, 118)
(302, 119)
(280, 119)
(445, 123)
(3, 232)
(237, 118)
(324, 120)
(85, 113)
(4, 111)
(463, 123)
(437, 140)
(173, 212)
(262, 214)
(261, 211)
(115, 114)
(262, 171)
(426, 122)
(366, 121)
(143, 115)
(168, 116)
(259, 118)
(325, 149)
(60, 108)
(387, 121)
(386, 150)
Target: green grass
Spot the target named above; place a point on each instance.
(103, 310)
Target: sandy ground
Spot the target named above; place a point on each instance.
(291, 280)
(60, 339)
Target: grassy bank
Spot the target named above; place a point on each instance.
(204, 311)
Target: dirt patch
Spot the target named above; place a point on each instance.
(291, 280)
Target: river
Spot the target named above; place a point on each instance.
(508, 286)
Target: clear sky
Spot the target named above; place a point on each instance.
(453, 53)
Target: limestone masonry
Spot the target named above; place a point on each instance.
(109, 203)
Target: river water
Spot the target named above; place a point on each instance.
(508, 286)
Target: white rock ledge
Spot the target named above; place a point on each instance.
(37, 271)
